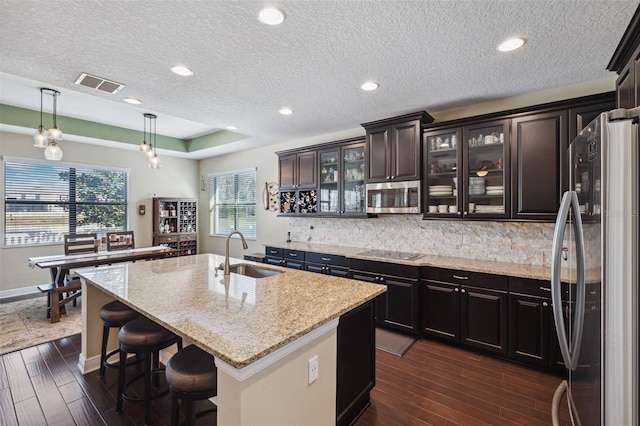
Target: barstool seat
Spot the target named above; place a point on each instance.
(145, 338)
(192, 376)
(114, 315)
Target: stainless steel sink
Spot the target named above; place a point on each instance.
(252, 271)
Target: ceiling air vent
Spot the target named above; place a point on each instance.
(99, 83)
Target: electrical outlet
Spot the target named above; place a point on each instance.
(313, 369)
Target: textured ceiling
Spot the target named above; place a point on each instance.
(426, 55)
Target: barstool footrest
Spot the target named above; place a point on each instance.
(130, 362)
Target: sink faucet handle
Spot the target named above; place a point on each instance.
(221, 267)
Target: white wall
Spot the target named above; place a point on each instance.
(177, 177)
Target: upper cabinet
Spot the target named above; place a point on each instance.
(342, 173)
(539, 168)
(323, 180)
(298, 170)
(393, 150)
(464, 173)
(510, 165)
(626, 63)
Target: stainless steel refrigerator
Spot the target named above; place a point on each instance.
(594, 275)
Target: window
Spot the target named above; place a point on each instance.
(232, 203)
(44, 201)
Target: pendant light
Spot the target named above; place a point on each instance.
(40, 138)
(152, 154)
(48, 139)
(144, 146)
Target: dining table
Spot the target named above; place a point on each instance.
(60, 265)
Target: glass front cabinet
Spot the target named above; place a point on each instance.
(341, 183)
(465, 171)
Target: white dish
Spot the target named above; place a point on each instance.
(436, 187)
(489, 188)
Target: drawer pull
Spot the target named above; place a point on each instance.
(273, 251)
(545, 288)
(460, 277)
(463, 290)
(456, 289)
(326, 259)
(545, 304)
(293, 254)
(593, 292)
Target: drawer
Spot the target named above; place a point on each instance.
(327, 259)
(297, 255)
(467, 278)
(385, 268)
(184, 237)
(530, 287)
(168, 239)
(273, 251)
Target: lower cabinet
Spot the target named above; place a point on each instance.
(183, 244)
(356, 363)
(329, 264)
(466, 307)
(284, 257)
(398, 306)
(530, 321)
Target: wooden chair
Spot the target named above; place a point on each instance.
(80, 243)
(120, 240)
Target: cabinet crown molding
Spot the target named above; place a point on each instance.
(628, 44)
(423, 116)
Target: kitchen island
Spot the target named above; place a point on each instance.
(261, 331)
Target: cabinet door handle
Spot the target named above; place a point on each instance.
(381, 279)
(463, 290)
(545, 304)
(456, 290)
(388, 177)
(460, 277)
(393, 177)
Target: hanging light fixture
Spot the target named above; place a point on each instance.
(48, 139)
(152, 154)
(144, 146)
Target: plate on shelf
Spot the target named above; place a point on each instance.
(495, 192)
(442, 187)
(495, 188)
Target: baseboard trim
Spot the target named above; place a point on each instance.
(87, 365)
(15, 294)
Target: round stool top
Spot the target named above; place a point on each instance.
(192, 370)
(143, 332)
(117, 311)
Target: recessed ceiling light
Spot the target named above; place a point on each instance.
(182, 70)
(511, 44)
(271, 16)
(231, 128)
(285, 111)
(132, 101)
(369, 86)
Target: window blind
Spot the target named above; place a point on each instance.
(43, 201)
(233, 203)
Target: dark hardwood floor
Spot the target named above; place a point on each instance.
(432, 383)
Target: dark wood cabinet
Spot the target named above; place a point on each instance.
(342, 179)
(398, 307)
(329, 264)
(441, 310)
(539, 164)
(298, 170)
(393, 148)
(174, 224)
(530, 321)
(293, 259)
(507, 165)
(466, 307)
(626, 63)
(356, 358)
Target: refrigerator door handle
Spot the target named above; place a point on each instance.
(580, 283)
(556, 287)
(555, 404)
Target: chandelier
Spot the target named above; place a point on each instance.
(49, 139)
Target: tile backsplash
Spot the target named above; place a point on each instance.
(519, 242)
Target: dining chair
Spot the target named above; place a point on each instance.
(120, 240)
(80, 243)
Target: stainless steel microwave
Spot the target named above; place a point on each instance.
(393, 197)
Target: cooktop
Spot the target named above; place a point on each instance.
(390, 254)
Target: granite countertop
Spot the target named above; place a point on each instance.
(538, 272)
(237, 318)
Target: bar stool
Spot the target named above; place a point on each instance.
(144, 338)
(192, 376)
(114, 315)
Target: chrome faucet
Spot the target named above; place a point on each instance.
(227, 267)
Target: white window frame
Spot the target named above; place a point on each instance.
(212, 205)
